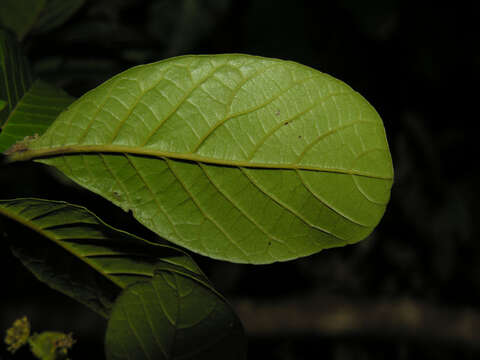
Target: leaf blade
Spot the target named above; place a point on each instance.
(35, 111)
(261, 123)
(182, 327)
(31, 106)
(83, 257)
(15, 74)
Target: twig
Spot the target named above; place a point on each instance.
(336, 316)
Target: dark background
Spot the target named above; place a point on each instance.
(417, 62)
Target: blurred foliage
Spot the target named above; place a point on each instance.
(414, 61)
(15, 18)
(22, 16)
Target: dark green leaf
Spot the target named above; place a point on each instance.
(236, 157)
(74, 252)
(15, 75)
(30, 106)
(37, 109)
(173, 317)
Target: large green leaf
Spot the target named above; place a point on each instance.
(31, 106)
(192, 323)
(237, 157)
(74, 252)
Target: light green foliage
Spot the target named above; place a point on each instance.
(236, 157)
(171, 317)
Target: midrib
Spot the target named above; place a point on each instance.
(119, 149)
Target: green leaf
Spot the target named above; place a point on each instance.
(74, 252)
(192, 323)
(15, 74)
(20, 16)
(31, 107)
(34, 113)
(236, 157)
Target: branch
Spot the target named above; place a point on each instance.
(337, 316)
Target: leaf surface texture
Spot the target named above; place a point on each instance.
(30, 106)
(236, 157)
(173, 317)
(15, 74)
(74, 252)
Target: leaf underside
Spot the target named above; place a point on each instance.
(236, 157)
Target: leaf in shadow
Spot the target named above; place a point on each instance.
(31, 106)
(171, 316)
(23, 16)
(74, 252)
(19, 16)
